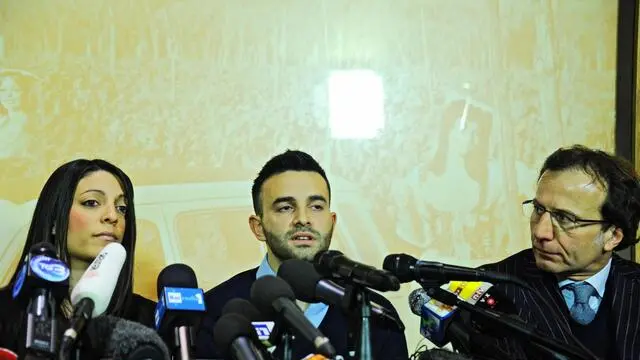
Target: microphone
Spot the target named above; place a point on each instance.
(235, 337)
(407, 268)
(437, 320)
(334, 263)
(440, 354)
(180, 308)
(92, 294)
(309, 287)
(434, 322)
(119, 339)
(514, 327)
(44, 281)
(262, 326)
(273, 296)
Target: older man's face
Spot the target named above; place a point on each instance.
(562, 244)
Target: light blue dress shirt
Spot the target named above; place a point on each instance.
(315, 312)
(598, 281)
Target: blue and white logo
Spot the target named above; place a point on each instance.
(263, 329)
(49, 269)
(187, 299)
(159, 313)
(17, 286)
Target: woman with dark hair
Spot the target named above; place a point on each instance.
(83, 206)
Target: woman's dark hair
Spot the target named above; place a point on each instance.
(52, 210)
(621, 207)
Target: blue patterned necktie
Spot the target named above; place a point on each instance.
(581, 312)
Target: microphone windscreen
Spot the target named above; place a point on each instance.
(303, 278)
(230, 327)
(440, 354)
(417, 299)
(121, 339)
(268, 289)
(242, 307)
(176, 275)
(99, 280)
(401, 266)
(131, 340)
(323, 259)
(43, 248)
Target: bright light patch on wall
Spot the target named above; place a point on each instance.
(356, 104)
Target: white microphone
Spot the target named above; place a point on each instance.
(92, 294)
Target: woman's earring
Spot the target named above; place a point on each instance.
(53, 229)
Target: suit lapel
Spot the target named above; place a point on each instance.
(625, 313)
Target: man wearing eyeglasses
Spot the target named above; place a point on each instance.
(586, 206)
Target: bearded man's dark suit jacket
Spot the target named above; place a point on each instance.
(621, 305)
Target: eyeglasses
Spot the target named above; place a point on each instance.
(564, 220)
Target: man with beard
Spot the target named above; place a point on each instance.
(291, 199)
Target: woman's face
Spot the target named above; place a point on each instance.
(97, 215)
(10, 93)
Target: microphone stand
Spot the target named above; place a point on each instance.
(287, 353)
(281, 335)
(356, 305)
(41, 341)
(183, 340)
(553, 348)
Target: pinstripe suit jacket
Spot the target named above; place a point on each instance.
(623, 285)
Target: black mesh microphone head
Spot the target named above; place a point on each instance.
(417, 299)
(243, 307)
(176, 275)
(230, 327)
(133, 341)
(400, 265)
(323, 261)
(268, 289)
(43, 248)
(303, 278)
(441, 354)
(116, 338)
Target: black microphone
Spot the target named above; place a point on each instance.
(272, 295)
(440, 354)
(309, 287)
(263, 325)
(334, 263)
(243, 307)
(439, 324)
(407, 268)
(119, 339)
(44, 281)
(180, 308)
(235, 337)
(516, 327)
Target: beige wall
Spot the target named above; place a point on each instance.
(430, 117)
